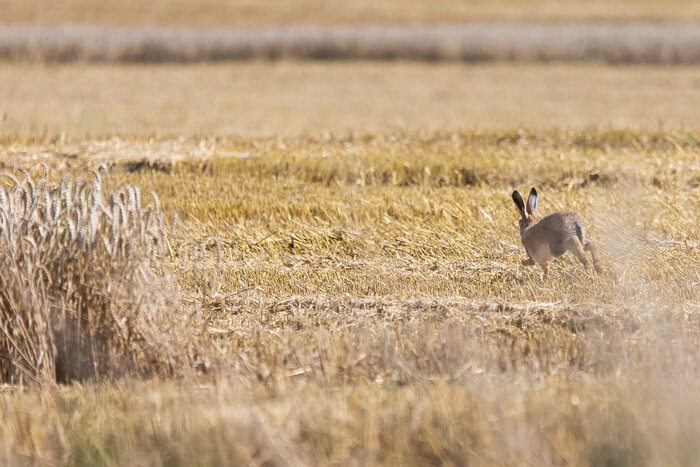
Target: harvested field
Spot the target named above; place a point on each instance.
(310, 263)
(364, 299)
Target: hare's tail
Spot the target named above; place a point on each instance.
(578, 231)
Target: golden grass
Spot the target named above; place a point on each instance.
(476, 419)
(251, 13)
(370, 307)
(262, 99)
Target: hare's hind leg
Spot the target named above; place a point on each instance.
(574, 245)
(528, 262)
(593, 248)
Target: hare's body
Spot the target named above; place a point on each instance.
(552, 236)
(549, 238)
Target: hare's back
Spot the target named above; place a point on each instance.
(558, 228)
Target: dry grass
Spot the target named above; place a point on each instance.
(251, 13)
(258, 99)
(79, 296)
(370, 306)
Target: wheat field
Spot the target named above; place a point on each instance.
(353, 299)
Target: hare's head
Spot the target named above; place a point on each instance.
(527, 213)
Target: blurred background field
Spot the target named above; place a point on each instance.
(622, 31)
(249, 13)
(292, 98)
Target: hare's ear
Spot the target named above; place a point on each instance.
(519, 202)
(532, 202)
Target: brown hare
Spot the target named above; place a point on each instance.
(552, 236)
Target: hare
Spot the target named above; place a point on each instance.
(552, 236)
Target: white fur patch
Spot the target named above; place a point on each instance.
(540, 252)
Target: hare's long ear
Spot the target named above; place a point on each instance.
(519, 202)
(532, 202)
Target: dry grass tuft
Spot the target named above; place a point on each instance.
(80, 294)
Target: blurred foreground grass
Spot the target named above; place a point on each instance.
(366, 298)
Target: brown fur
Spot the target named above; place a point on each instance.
(552, 236)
